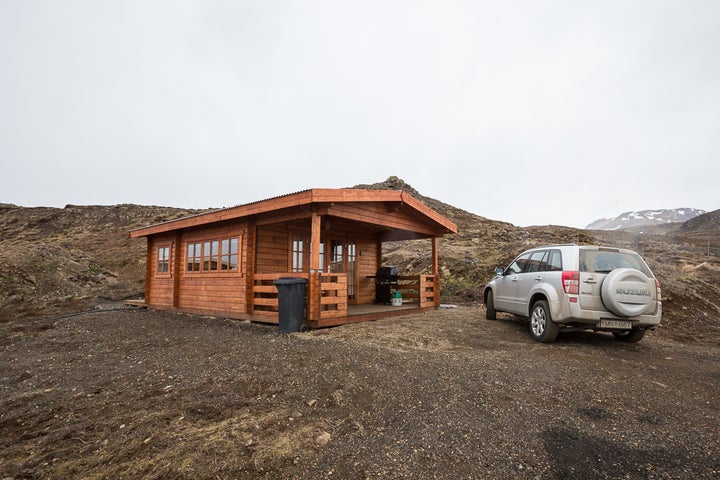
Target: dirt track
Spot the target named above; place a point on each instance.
(447, 394)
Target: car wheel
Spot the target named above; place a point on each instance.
(630, 336)
(542, 327)
(490, 307)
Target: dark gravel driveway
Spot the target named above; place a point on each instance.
(446, 394)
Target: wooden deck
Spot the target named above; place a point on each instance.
(374, 309)
(366, 313)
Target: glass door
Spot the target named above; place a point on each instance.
(343, 259)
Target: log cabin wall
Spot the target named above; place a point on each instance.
(367, 266)
(272, 248)
(159, 284)
(204, 291)
(217, 291)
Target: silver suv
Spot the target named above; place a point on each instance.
(571, 287)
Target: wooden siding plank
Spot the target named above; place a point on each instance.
(265, 289)
(270, 302)
(333, 300)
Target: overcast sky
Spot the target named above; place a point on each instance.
(531, 112)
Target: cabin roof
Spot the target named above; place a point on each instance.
(300, 199)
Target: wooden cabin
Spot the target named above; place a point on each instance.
(224, 262)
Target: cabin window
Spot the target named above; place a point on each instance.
(298, 247)
(229, 254)
(322, 256)
(213, 255)
(300, 253)
(194, 255)
(336, 257)
(163, 259)
(210, 256)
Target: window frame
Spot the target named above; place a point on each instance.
(534, 264)
(166, 260)
(202, 253)
(549, 267)
(299, 258)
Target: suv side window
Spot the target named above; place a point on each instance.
(518, 264)
(536, 261)
(554, 261)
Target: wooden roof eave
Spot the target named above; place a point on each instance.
(306, 197)
(385, 222)
(429, 212)
(239, 211)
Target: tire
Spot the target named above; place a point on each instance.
(542, 327)
(490, 313)
(630, 336)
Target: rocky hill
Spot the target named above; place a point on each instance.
(707, 222)
(58, 260)
(55, 260)
(642, 218)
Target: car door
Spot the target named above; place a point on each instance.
(505, 291)
(532, 274)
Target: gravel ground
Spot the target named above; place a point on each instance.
(445, 394)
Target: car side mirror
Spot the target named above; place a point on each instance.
(499, 270)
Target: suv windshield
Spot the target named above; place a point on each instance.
(605, 261)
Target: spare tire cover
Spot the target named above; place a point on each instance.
(627, 292)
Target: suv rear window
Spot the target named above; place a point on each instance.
(605, 261)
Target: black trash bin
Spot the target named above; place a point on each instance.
(291, 304)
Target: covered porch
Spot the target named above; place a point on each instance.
(336, 244)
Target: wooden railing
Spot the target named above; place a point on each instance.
(333, 295)
(427, 291)
(326, 294)
(265, 293)
(418, 289)
(329, 301)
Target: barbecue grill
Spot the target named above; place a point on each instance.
(385, 279)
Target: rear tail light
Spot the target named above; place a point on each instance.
(657, 290)
(571, 282)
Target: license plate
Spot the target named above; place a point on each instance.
(616, 324)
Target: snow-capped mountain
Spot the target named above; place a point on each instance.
(641, 218)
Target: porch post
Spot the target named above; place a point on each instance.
(436, 270)
(314, 274)
(315, 243)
